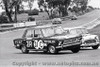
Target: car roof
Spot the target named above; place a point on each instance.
(42, 26)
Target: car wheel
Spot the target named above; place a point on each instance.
(95, 47)
(75, 50)
(52, 49)
(24, 49)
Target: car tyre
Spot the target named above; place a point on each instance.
(95, 47)
(24, 49)
(52, 49)
(75, 50)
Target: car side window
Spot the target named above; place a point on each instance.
(37, 33)
(79, 31)
(67, 32)
(73, 31)
(59, 30)
(30, 33)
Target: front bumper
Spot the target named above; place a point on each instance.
(89, 44)
(69, 45)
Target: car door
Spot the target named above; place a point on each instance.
(34, 39)
(29, 39)
(38, 40)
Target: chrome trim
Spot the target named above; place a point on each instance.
(66, 45)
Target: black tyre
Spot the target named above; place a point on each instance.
(24, 49)
(95, 47)
(52, 49)
(75, 50)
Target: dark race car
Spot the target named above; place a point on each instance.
(47, 38)
(88, 39)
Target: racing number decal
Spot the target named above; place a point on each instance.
(38, 44)
(29, 43)
(41, 44)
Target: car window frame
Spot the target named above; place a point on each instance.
(73, 29)
(31, 36)
(41, 33)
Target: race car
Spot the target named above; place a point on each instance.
(73, 17)
(47, 38)
(57, 21)
(88, 40)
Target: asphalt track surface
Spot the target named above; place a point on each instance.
(86, 57)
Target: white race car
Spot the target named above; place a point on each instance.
(88, 40)
(56, 21)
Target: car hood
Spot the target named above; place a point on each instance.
(88, 36)
(64, 36)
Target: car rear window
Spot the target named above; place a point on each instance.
(30, 33)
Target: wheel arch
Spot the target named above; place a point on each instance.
(23, 43)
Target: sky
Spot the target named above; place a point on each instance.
(94, 3)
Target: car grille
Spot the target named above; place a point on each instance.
(90, 41)
(72, 40)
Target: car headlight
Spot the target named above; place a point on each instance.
(17, 45)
